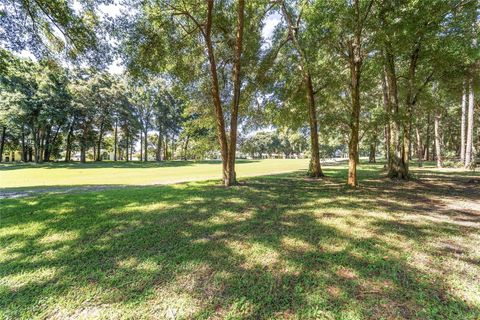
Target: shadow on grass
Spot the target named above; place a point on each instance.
(112, 164)
(272, 248)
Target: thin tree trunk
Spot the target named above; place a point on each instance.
(427, 142)
(127, 153)
(51, 144)
(24, 147)
(463, 124)
(158, 155)
(438, 141)
(215, 91)
(355, 62)
(411, 98)
(419, 148)
(99, 143)
(470, 122)
(145, 140)
(2, 142)
(315, 170)
(115, 142)
(141, 145)
(68, 148)
(387, 111)
(165, 150)
(46, 151)
(232, 180)
(186, 148)
(355, 58)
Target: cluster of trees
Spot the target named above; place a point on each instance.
(47, 111)
(397, 77)
(286, 144)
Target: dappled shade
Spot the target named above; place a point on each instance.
(276, 247)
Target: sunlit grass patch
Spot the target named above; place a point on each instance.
(274, 247)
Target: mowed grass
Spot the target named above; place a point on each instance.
(276, 247)
(134, 173)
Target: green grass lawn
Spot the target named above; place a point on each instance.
(134, 173)
(276, 247)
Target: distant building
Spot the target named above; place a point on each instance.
(12, 156)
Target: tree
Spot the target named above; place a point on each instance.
(202, 28)
(315, 169)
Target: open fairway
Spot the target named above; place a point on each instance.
(276, 247)
(135, 173)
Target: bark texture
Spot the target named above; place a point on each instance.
(315, 170)
(470, 122)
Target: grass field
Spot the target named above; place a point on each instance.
(134, 173)
(276, 247)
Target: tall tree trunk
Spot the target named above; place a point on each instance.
(232, 180)
(132, 147)
(145, 141)
(99, 143)
(158, 155)
(387, 111)
(2, 142)
(51, 144)
(172, 147)
(141, 145)
(419, 148)
(83, 147)
(115, 142)
(463, 124)
(410, 103)
(470, 122)
(215, 91)
(438, 141)
(427, 140)
(68, 148)
(46, 151)
(24, 147)
(186, 148)
(165, 149)
(397, 168)
(355, 61)
(127, 148)
(36, 143)
(315, 170)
